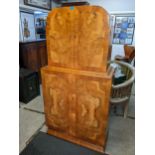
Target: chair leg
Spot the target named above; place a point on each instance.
(115, 109)
(126, 109)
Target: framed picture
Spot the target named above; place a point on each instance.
(124, 30)
(27, 26)
(44, 4)
(20, 30)
(40, 25)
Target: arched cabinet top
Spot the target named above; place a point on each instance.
(78, 37)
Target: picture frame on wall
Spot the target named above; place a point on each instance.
(40, 25)
(20, 30)
(27, 26)
(43, 4)
(124, 30)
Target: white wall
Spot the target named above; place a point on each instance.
(21, 1)
(115, 5)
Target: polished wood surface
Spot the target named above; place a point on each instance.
(77, 81)
(129, 52)
(33, 55)
(78, 38)
(77, 105)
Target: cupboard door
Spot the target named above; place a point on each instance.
(92, 110)
(32, 58)
(55, 90)
(32, 86)
(42, 52)
(60, 101)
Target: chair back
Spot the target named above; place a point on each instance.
(129, 52)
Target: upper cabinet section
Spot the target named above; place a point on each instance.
(78, 37)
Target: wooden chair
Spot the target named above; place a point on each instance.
(129, 54)
(121, 92)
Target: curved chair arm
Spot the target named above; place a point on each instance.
(123, 89)
(122, 58)
(130, 80)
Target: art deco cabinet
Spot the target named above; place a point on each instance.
(77, 81)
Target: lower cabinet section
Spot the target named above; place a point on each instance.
(77, 107)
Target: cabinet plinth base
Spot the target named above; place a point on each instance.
(74, 140)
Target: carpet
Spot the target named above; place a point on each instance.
(44, 144)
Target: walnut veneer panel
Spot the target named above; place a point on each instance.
(78, 38)
(76, 83)
(77, 106)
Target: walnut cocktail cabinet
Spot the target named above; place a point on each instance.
(77, 81)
